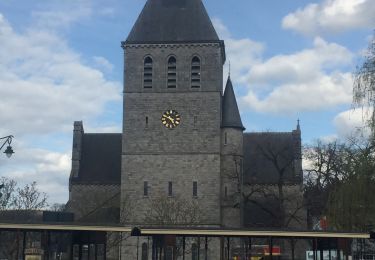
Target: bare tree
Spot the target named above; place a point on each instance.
(16, 198)
(173, 211)
(58, 207)
(30, 198)
(279, 197)
(364, 85)
(323, 172)
(7, 190)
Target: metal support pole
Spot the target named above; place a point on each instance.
(228, 248)
(137, 247)
(18, 244)
(199, 248)
(315, 249)
(271, 247)
(292, 241)
(24, 245)
(246, 249)
(160, 252)
(329, 249)
(47, 238)
(205, 249)
(250, 246)
(183, 248)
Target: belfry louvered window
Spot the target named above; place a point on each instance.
(147, 73)
(172, 73)
(195, 72)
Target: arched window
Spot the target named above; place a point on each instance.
(147, 73)
(172, 73)
(194, 252)
(195, 72)
(144, 251)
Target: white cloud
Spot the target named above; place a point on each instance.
(331, 16)
(308, 80)
(349, 122)
(46, 84)
(103, 129)
(103, 63)
(302, 66)
(49, 169)
(242, 53)
(58, 15)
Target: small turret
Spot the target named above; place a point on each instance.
(230, 116)
(231, 160)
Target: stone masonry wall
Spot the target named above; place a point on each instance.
(188, 153)
(231, 170)
(84, 199)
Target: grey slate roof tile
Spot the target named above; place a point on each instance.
(173, 21)
(259, 167)
(101, 159)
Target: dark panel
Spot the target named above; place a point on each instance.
(100, 159)
(271, 156)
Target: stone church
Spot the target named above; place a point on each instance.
(183, 157)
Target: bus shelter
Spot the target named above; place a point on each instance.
(72, 241)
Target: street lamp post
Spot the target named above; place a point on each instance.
(7, 141)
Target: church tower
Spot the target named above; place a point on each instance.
(171, 146)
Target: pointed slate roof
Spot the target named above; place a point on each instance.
(230, 113)
(173, 21)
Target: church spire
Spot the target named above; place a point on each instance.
(168, 21)
(231, 115)
(298, 126)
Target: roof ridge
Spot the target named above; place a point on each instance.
(279, 133)
(102, 134)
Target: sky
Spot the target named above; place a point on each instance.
(61, 61)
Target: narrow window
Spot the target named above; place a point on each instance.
(147, 73)
(145, 188)
(195, 72)
(172, 73)
(226, 191)
(195, 189)
(225, 138)
(144, 251)
(146, 121)
(195, 121)
(170, 190)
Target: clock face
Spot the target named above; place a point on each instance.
(171, 119)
